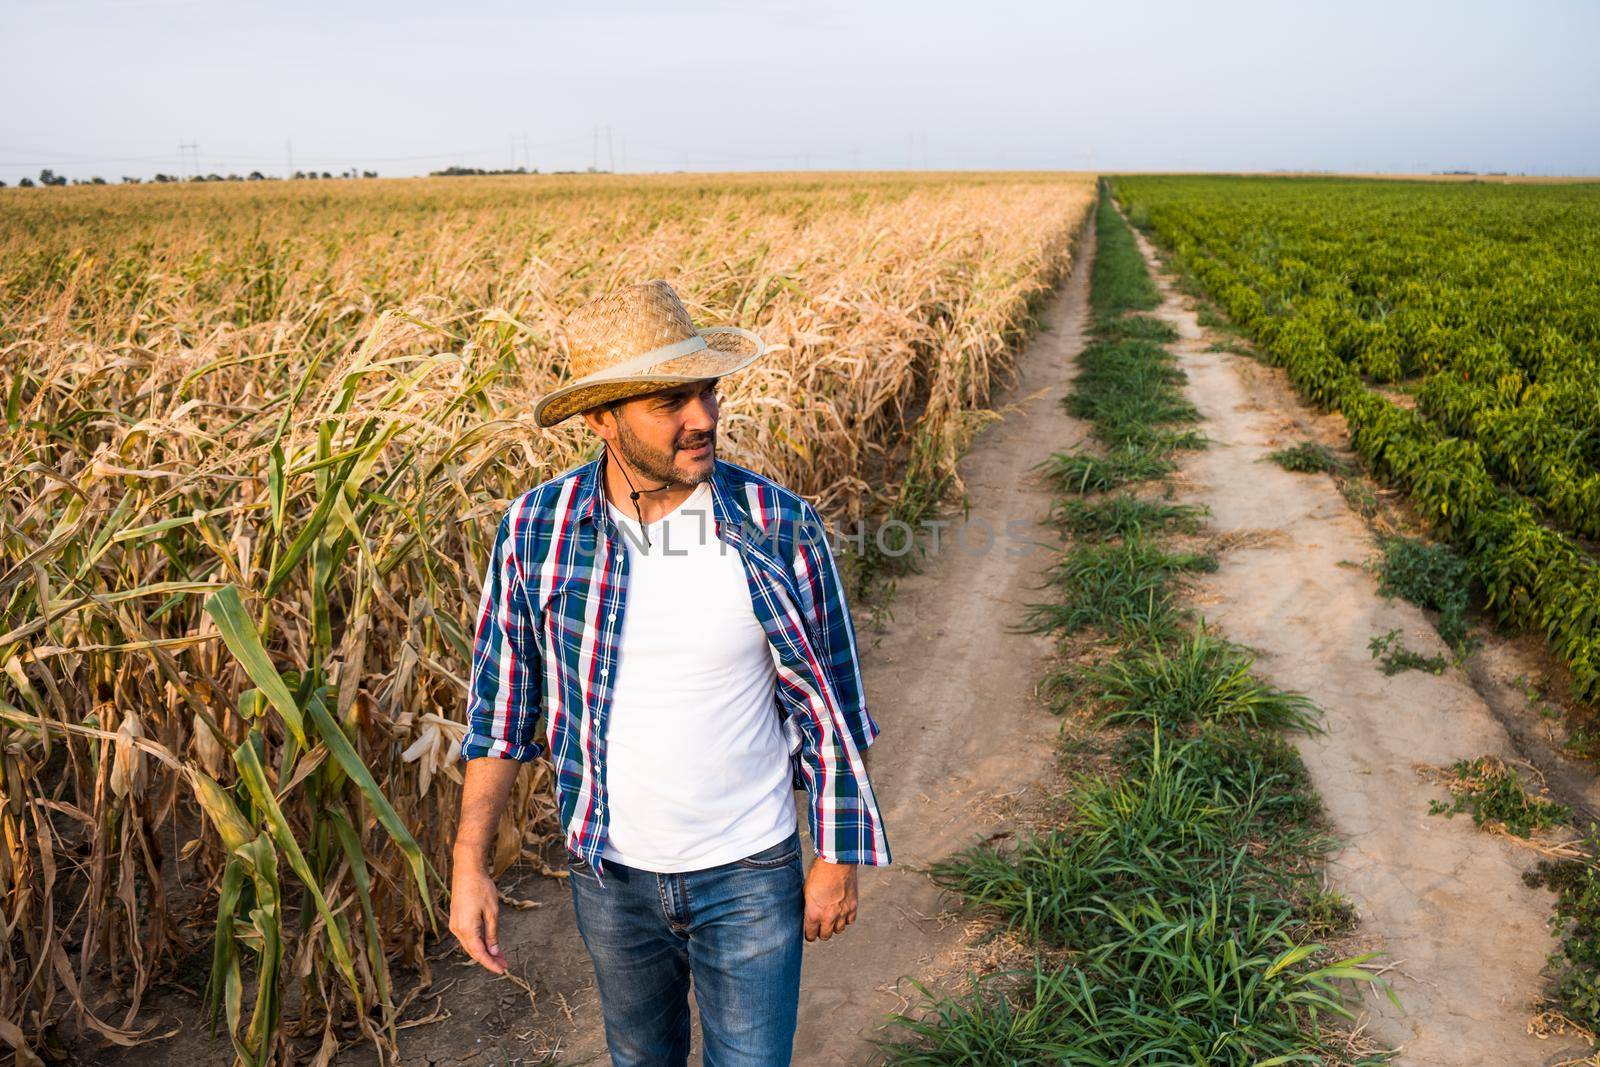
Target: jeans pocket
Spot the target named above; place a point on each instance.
(578, 867)
(773, 857)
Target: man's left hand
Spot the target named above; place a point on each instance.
(830, 898)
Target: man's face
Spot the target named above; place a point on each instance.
(670, 436)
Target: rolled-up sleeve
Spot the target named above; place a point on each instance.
(507, 681)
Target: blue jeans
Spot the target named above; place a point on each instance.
(735, 929)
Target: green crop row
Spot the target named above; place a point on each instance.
(1480, 302)
(1288, 265)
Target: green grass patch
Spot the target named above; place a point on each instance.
(1247, 761)
(1128, 387)
(1124, 588)
(1188, 944)
(1169, 828)
(1130, 392)
(1120, 282)
(1228, 994)
(1309, 457)
(1080, 473)
(1135, 328)
(1202, 679)
(1123, 515)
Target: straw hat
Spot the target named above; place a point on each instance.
(638, 340)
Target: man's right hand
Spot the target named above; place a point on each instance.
(474, 913)
(474, 903)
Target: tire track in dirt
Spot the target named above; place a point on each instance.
(956, 696)
(1466, 939)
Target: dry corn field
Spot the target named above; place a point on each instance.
(256, 439)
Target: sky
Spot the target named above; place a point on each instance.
(114, 87)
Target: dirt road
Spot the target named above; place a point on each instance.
(1465, 936)
(955, 694)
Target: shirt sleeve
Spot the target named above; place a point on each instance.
(846, 825)
(507, 678)
(828, 620)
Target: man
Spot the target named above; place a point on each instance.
(678, 622)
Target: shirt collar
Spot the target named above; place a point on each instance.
(589, 498)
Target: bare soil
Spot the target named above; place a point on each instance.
(1466, 939)
(966, 734)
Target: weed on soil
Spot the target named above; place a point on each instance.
(1395, 657)
(1430, 576)
(1309, 457)
(1494, 794)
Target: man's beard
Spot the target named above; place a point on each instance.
(657, 464)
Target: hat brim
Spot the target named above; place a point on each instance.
(728, 348)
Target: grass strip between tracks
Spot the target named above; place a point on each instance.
(1174, 915)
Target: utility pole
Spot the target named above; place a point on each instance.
(184, 151)
(611, 156)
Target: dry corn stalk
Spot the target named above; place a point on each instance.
(254, 445)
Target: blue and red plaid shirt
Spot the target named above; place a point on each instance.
(549, 628)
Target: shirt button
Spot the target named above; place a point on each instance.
(604, 671)
(612, 617)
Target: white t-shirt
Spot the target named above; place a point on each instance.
(697, 765)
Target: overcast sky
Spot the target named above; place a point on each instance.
(113, 87)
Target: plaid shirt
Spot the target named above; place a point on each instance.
(549, 630)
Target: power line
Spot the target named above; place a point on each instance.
(87, 162)
(77, 156)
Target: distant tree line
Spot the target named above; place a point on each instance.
(49, 177)
(462, 172)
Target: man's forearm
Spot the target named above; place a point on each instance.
(483, 800)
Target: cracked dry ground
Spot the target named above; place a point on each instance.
(1465, 938)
